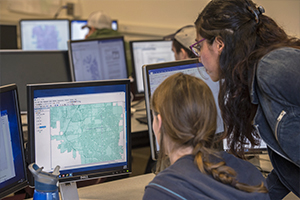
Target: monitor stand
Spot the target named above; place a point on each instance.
(68, 191)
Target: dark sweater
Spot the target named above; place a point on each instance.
(183, 180)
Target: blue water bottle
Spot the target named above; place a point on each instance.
(46, 184)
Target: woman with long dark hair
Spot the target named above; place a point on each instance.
(258, 66)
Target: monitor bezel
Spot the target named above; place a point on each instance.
(92, 174)
(17, 185)
(70, 42)
(47, 19)
(131, 43)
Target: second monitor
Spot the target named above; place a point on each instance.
(98, 59)
(148, 52)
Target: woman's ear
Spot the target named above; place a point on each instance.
(183, 54)
(219, 44)
(157, 126)
(159, 121)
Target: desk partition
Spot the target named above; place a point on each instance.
(24, 67)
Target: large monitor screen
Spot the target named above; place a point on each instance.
(84, 127)
(13, 174)
(44, 34)
(98, 59)
(24, 67)
(77, 32)
(155, 74)
(148, 52)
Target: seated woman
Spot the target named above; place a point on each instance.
(184, 123)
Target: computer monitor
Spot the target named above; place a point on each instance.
(148, 52)
(114, 25)
(23, 67)
(77, 32)
(154, 74)
(8, 37)
(13, 173)
(84, 127)
(44, 34)
(98, 59)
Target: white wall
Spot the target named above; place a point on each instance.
(147, 18)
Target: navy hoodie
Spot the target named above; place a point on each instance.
(183, 180)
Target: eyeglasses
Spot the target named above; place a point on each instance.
(196, 47)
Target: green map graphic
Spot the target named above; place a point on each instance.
(102, 122)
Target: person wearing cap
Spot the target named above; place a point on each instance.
(99, 25)
(182, 39)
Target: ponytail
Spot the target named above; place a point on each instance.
(223, 173)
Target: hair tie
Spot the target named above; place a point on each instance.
(260, 10)
(234, 182)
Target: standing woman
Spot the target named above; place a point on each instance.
(259, 68)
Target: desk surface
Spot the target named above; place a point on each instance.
(125, 189)
(133, 188)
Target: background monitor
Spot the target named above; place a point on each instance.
(44, 34)
(77, 33)
(84, 127)
(114, 25)
(148, 52)
(8, 37)
(13, 173)
(23, 67)
(155, 74)
(98, 59)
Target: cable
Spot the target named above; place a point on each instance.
(142, 109)
(58, 11)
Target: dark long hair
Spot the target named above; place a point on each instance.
(248, 35)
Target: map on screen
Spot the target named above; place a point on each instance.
(72, 128)
(44, 34)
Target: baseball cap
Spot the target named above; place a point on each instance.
(98, 20)
(185, 36)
